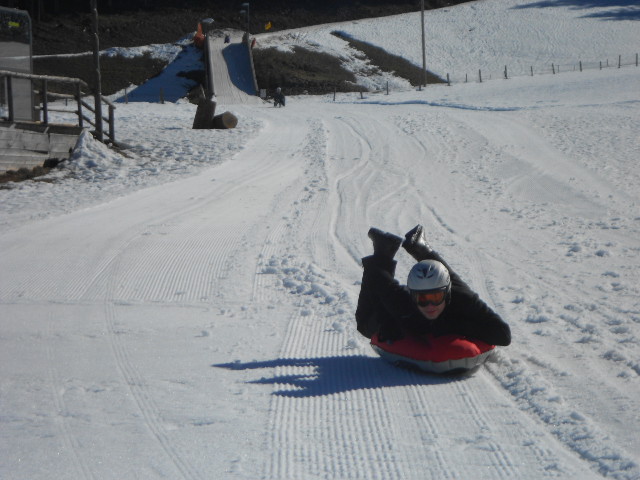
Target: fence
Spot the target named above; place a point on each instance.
(481, 75)
(45, 95)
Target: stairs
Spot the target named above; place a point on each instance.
(29, 145)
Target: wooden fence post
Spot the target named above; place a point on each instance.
(448, 80)
(480, 75)
(112, 124)
(532, 70)
(79, 100)
(580, 65)
(619, 61)
(505, 73)
(553, 68)
(45, 103)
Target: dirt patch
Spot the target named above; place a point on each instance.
(66, 27)
(392, 63)
(302, 71)
(116, 73)
(22, 174)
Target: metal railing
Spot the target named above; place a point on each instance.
(45, 95)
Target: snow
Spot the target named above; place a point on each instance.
(186, 310)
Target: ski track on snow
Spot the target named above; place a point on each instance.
(69, 441)
(503, 465)
(572, 428)
(502, 462)
(171, 248)
(336, 410)
(299, 407)
(143, 398)
(137, 383)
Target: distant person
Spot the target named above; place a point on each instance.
(227, 38)
(435, 300)
(278, 98)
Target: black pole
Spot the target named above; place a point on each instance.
(424, 55)
(98, 79)
(246, 10)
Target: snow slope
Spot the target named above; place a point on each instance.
(487, 35)
(186, 311)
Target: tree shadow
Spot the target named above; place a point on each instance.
(619, 9)
(330, 375)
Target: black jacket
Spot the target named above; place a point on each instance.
(386, 307)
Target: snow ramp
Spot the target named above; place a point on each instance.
(229, 66)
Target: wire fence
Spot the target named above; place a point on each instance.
(479, 76)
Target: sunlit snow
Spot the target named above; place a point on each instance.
(186, 309)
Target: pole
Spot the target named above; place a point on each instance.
(424, 55)
(246, 7)
(79, 102)
(96, 63)
(45, 103)
(10, 98)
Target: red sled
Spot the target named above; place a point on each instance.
(445, 354)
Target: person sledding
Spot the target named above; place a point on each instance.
(435, 302)
(278, 98)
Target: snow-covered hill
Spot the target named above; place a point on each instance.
(186, 311)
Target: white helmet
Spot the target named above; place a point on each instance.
(428, 275)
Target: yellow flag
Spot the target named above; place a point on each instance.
(14, 24)
(267, 26)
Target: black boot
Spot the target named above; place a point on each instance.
(385, 244)
(416, 245)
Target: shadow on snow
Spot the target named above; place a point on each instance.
(170, 85)
(238, 63)
(618, 9)
(330, 375)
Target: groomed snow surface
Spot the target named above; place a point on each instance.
(186, 310)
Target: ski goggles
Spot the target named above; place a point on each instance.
(432, 297)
